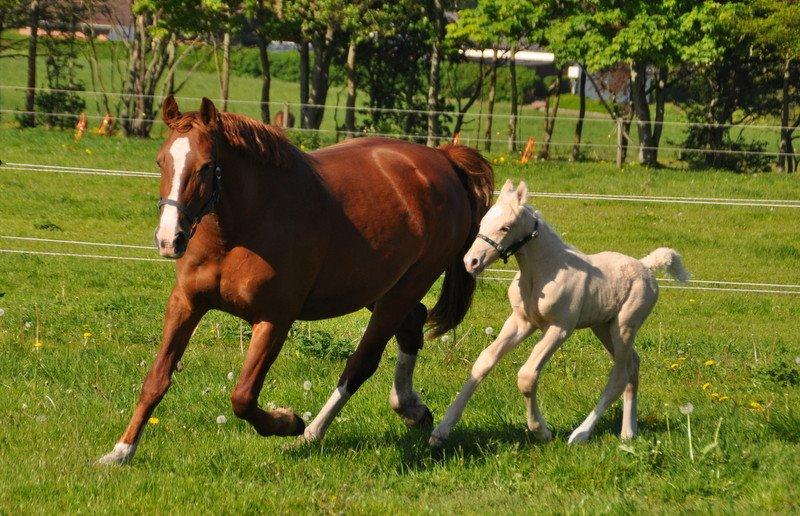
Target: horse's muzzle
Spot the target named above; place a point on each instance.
(173, 248)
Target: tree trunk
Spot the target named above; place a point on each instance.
(350, 104)
(658, 93)
(786, 158)
(322, 46)
(438, 22)
(29, 118)
(647, 152)
(487, 144)
(576, 147)
(225, 75)
(512, 119)
(263, 54)
(304, 72)
(550, 112)
(477, 92)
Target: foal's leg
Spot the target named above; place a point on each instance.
(528, 378)
(388, 314)
(629, 401)
(403, 398)
(514, 331)
(180, 320)
(266, 343)
(622, 339)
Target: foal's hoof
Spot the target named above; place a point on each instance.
(437, 438)
(417, 416)
(542, 434)
(578, 436)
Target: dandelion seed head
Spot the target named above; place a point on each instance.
(306, 416)
(27, 325)
(797, 360)
(686, 408)
(489, 331)
(231, 376)
(221, 419)
(307, 385)
(41, 418)
(2, 312)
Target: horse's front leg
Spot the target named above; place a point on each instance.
(266, 343)
(180, 320)
(403, 399)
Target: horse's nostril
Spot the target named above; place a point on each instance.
(181, 240)
(474, 262)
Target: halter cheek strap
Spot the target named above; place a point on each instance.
(506, 252)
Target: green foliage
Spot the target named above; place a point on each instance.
(321, 344)
(781, 372)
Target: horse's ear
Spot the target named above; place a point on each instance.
(208, 112)
(169, 111)
(522, 193)
(508, 187)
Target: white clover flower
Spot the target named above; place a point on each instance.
(306, 416)
(231, 376)
(307, 385)
(446, 338)
(489, 331)
(27, 325)
(686, 408)
(221, 419)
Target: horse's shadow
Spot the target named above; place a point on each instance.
(467, 444)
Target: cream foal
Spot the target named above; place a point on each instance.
(559, 289)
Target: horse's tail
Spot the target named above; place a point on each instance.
(668, 260)
(477, 176)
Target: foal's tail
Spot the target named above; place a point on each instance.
(477, 176)
(668, 260)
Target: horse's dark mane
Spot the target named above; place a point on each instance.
(262, 142)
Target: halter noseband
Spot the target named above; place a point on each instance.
(506, 252)
(210, 204)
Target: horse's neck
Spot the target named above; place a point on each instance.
(543, 255)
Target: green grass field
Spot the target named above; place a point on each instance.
(65, 402)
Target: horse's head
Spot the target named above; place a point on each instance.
(190, 174)
(505, 228)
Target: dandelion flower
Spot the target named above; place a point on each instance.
(449, 338)
(38, 344)
(706, 385)
(87, 334)
(231, 376)
(307, 385)
(221, 419)
(153, 421)
(306, 416)
(723, 398)
(675, 366)
(715, 395)
(686, 408)
(756, 405)
(681, 360)
(489, 331)
(710, 362)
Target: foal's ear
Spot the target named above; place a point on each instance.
(508, 187)
(169, 111)
(208, 112)
(522, 193)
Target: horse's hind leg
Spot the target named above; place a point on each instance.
(622, 338)
(403, 398)
(387, 317)
(603, 332)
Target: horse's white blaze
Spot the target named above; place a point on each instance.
(168, 225)
(316, 430)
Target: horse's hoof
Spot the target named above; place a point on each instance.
(578, 436)
(121, 454)
(425, 420)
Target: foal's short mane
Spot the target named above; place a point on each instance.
(262, 142)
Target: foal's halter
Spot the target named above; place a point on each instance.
(506, 252)
(210, 204)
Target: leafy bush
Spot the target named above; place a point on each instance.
(321, 344)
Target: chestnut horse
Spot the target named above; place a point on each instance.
(272, 235)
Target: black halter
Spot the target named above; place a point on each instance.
(210, 204)
(506, 252)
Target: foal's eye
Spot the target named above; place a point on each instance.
(505, 229)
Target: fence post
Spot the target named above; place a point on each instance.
(619, 143)
(285, 115)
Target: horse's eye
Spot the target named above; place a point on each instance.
(505, 229)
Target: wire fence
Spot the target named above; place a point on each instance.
(584, 196)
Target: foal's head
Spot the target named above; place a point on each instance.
(504, 229)
(189, 174)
